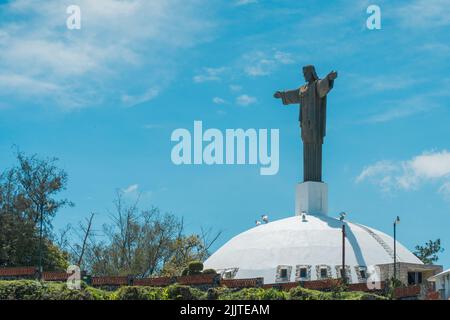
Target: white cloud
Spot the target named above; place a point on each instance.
(398, 109)
(218, 100)
(424, 14)
(130, 189)
(410, 174)
(379, 168)
(244, 2)
(118, 40)
(245, 100)
(260, 63)
(131, 101)
(283, 57)
(209, 74)
(235, 88)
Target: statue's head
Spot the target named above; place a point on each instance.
(309, 72)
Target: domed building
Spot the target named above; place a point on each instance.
(304, 248)
(311, 245)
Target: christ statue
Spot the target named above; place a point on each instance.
(312, 98)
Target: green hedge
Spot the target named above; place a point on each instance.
(34, 290)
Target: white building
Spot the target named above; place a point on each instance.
(442, 284)
(309, 247)
(306, 248)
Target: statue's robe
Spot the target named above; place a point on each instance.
(312, 98)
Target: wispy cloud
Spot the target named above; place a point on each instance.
(133, 192)
(410, 174)
(131, 101)
(118, 40)
(218, 100)
(402, 109)
(424, 14)
(209, 74)
(130, 189)
(235, 87)
(245, 100)
(244, 2)
(259, 63)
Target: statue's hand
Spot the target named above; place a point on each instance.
(277, 95)
(332, 75)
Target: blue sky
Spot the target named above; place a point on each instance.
(105, 100)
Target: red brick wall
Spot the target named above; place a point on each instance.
(241, 283)
(154, 282)
(16, 272)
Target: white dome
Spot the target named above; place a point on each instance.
(313, 244)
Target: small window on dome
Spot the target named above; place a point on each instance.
(362, 273)
(303, 272)
(283, 273)
(323, 273)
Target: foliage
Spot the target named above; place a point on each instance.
(139, 293)
(253, 294)
(300, 293)
(209, 271)
(28, 192)
(392, 284)
(195, 267)
(179, 292)
(428, 253)
(34, 290)
(143, 243)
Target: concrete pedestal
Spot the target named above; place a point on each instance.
(312, 198)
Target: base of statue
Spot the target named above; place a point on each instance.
(311, 197)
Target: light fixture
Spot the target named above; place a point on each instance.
(397, 220)
(304, 216)
(265, 218)
(257, 222)
(342, 215)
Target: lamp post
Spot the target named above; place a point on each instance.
(40, 242)
(396, 222)
(343, 272)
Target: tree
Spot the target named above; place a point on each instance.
(143, 243)
(27, 192)
(428, 253)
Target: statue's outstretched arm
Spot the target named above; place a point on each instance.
(325, 85)
(288, 97)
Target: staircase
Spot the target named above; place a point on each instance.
(378, 239)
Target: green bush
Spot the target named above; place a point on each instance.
(195, 267)
(300, 293)
(138, 293)
(35, 290)
(253, 294)
(179, 292)
(209, 271)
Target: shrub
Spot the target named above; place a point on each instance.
(138, 293)
(253, 294)
(34, 290)
(195, 267)
(300, 293)
(209, 271)
(180, 292)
